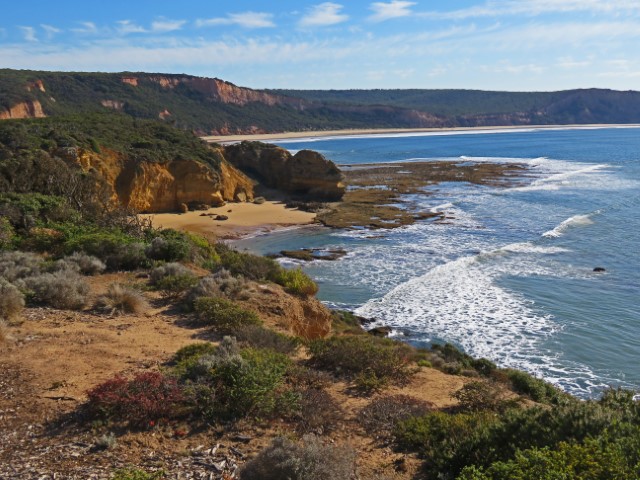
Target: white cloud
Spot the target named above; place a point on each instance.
(496, 8)
(50, 30)
(163, 26)
(245, 20)
(88, 28)
(323, 15)
(29, 34)
(394, 9)
(127, 26)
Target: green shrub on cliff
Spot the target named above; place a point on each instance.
(297, 282)
(224, 316)
(372, 362)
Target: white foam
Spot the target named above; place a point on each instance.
(576, 220)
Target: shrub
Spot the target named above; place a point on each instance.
(7, 234)
(59, 290)
(174, 287)
(87, 264)
(19, 265)
(308, 460)
(297, 282)
(538, 390)
(187, 358)
(223, 315)
(11, 301)
(172, 269)
(257, 336)
(350, 356)
(170, 246)
(251, 384)
(478, 396)
(318, 412)
(253, 267)
(588, 461)
(120, 299)
(127, 257)
(381, 416)
(221, 284)
(146, 398)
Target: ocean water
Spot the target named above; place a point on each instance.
(510, 276)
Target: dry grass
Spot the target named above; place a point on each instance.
(121, 299)
(63, 289)
(4, 332)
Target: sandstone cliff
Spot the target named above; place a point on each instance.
(161, 187)
(28, 109)
(307, 174)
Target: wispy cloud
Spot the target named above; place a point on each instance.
(50, 31)
(86, 28)
(497, 8)
(323, 15)
(163, 25)
(385, 11)
(127, 26)
(245, 20)
(29, 34)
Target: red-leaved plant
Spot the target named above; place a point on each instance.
(141, 401)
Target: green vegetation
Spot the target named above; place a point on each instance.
(371, 362)
(224, 316)
(136, 474)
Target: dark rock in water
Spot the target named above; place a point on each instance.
(221, 217)
(599, 269)
(380, 331)
(308, 254)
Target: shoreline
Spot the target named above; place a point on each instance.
(244, 220)
(349, 133)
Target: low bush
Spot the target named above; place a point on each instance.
(7, 234)
(141, 401)
(175, 287)
(318, 412)
(381, 358)
(62, 289)
(257, 336)
(478, 396)
(536, 389)
(170, 246)
(221, 284)
(451, 360)
(19, 265)
(120, 299)
(297, 282)
(11, 302)
(253, 267)
(308, 460)
(224, 316)
(186, 359)
(172, 269)
(87, 264)
(4, 332)
(381, 416)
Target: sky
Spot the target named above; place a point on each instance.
(515, 45)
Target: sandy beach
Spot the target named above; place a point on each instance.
(243, 219)
(393, 131)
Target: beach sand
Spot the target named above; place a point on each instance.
(244, 219)
(266, 137)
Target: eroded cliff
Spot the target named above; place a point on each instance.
(26, 109)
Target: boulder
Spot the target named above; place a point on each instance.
(380, 331)
(306, 174)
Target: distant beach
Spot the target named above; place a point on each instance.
(244, 219)
(299, 136)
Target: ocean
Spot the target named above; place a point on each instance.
(509, 276)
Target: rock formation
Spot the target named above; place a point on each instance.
(307, 174)
(28, 109)
(161, 187)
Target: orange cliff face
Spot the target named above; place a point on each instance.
(28, 109)
(163, 187)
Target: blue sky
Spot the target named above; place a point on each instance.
(479, 44)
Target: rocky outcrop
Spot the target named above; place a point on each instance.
(162, 187)
(36, 85)
(28, 109)
(306, 174)
(114, 104)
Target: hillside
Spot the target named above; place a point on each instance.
(216, 107)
